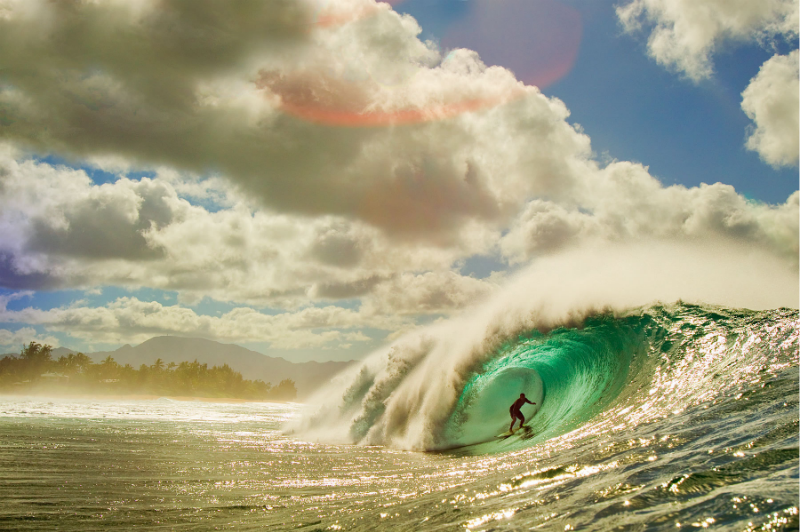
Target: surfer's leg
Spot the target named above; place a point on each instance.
(514, 417)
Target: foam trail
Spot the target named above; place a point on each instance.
(407, 394)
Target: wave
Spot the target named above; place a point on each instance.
(615, 370)
(589, 358)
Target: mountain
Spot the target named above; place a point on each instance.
(55, 353)
(61, 352)
(308, 376)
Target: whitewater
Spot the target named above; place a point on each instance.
(662, 415)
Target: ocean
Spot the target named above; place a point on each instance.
(660, 418)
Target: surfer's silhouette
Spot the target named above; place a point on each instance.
(516, 413)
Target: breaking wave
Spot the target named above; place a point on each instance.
(613, 370)
(585, 349)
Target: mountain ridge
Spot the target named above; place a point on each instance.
(308, 376)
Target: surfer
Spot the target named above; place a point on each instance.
(516, 413)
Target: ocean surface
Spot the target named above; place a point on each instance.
(663, 418)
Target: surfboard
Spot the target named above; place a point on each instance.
(523, 429)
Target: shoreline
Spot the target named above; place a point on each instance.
(53, 394)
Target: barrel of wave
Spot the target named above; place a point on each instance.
(483, 409)
(571, 374)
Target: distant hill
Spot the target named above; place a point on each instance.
(61, 352)
(55, 353)
(308, 376)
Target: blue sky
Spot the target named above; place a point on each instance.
(635, 110)
(270, 188)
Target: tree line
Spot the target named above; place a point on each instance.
(35, 367)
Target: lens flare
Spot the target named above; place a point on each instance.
(321, 98)
(538, 40)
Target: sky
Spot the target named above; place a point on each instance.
(314, 178)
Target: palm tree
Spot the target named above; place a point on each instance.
(158, 365)
(109, 368)
(82, 362)
(36, 359)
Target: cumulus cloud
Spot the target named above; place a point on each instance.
(545, 226)
(771, 100)
(57, 216)
(60, 230)
(130, 320)
(626, 204)
(686, 33)
(428, 293)
(63, 231)
(110, 80)
(21, 337)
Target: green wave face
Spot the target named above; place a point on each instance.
(571, 375)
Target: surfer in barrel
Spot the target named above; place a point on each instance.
(516, 413)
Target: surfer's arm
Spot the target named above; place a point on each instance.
(529, 402)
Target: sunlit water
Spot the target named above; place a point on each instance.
(726, 459)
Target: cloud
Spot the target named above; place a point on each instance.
(107, 223)
(55, 218)
(63, 231)
(428, 293)
(545, 226)
(25, 335)
(60, 230)
(626, 204)
(117, 82)
(771, 100)
(130, 320)
(442, 180)
(686, 33)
